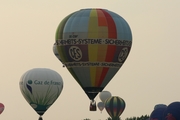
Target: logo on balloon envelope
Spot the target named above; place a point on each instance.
(123, 54)
(75, 53)
(38, 82)
(30, 81)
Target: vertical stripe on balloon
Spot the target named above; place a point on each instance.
(92, 48)
(112, 33)
(103, 30)
(115, 106)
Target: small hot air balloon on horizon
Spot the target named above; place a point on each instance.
(1, 108)
(93, 44)
(115, 107)
(101, 106)
(41, 87)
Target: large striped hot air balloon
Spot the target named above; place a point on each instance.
(93, 45)
(115, 106)
(101, 106)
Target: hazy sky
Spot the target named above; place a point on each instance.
(149, 76)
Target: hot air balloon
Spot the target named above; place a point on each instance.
(172, 112)
(104, 95)
(93, 44)
(41, 87)
(1, 108)
(160, 106)
(101, 106)
(115, 106)
(55, 51)
(157, 114)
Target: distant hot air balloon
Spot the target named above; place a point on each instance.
(157, 114)
(56, 52)
(160, 106)
(41, 87)
(172, 112)
(101, 106)
(104, 95)
(1, 108)
(115, 106)
(93, 44)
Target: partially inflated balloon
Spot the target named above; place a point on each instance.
(1, 108)
(41, 87)
(101, 106)
(104, 95)
(172, 112)
(115, 106)
(93, 44)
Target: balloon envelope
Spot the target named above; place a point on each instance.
(41, 87)
(104, 95)
(160, 106)
(55, 51)
(93, 44)
(1, 108)
(172, 112)
(115, 106)
(157, 114)
(101, 106)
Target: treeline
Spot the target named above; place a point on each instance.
(143, 117)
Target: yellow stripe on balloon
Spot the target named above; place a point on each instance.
(115, 108)
(93, 49)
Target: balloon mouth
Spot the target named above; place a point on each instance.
(40, 112)
(92, 92)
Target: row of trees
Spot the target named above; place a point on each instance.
(143, 117)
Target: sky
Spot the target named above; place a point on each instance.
(149, 76)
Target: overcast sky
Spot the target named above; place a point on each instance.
(149, 76)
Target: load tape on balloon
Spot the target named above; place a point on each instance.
(95, 64)
(79, 41)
